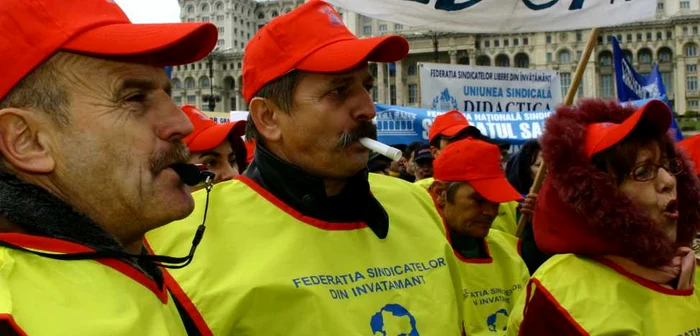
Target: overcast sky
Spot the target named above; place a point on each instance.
(151, 11)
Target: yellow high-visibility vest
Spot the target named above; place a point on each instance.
(491, 286)
(263, 268)
(43, 296)
(603, 299)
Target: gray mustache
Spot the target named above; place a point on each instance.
(366, 130)
(178, 153)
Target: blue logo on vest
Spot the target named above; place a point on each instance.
(444, 101)
(498, 321)
(393, 320)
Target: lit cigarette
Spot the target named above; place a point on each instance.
(381, 148)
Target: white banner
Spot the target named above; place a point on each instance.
(488, 89)
(504, 16)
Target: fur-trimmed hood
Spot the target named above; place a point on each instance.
(580, 208)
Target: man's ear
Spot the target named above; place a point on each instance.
(265, 116)
(25, 142)
(439, 191)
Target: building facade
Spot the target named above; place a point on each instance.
(672, 40)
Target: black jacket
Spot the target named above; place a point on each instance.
(307, 194)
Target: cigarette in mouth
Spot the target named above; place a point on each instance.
(381, 148)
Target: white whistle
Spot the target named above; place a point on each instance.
(388, 151)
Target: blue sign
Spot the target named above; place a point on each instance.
(403, 125)
(632, 86)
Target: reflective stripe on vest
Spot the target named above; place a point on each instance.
(43, 296)
(492, 285)
(603, 300)
(264, 269)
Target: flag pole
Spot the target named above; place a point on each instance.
(569, 100)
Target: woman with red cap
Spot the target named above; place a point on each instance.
(618, 210)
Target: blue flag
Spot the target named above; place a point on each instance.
(631, 86)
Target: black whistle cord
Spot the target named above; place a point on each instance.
(159, 260)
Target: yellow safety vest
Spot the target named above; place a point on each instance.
(43, 296)
(263, 268)
(491, 286)
(506, 221)
(602, 300)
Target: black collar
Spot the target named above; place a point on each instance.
(468, 247)
(307, 194)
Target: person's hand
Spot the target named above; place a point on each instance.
(528, 206)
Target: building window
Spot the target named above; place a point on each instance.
(579, 54)
(219, 18)
(669, 35)
(685, 4)
(659, 36)
(190, 20)
(412, 93)
(367, 30)
(691, 68)
(691, 83)
(522, 61)
(564, 57)
(392, 93)
(189, 83)
(205, 8)
(606, 86)
(224, 66)
(667, 79)
(695, 30)
(549, 58)
(685, 31)
(204, 82)
(639, 37)
(176, 84)
(497, 43)
(619, 37)
(375, 96)
(516, 42)
(177, 100)
(579, 91)
(274, 14)
(565, 82)
(221, 30)
(220, 7)
(691, 50)
(191, 99)
(665, 55)
(220, 42)
(648, 36)
(261, 16)
(549, 39)
(205, 19)
(190, 9)
(629, 37)
(398, 26)
(659, 5)
(645, 56)
(383, 28)
(506, 42)
(502, 61)
(579, 36)
(411, 71)
(525, 41)
(693, 104)
(605, 60)
(487, 44)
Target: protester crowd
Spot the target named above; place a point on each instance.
(124, 214)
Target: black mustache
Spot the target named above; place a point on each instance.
(367, 129)
(178, 153)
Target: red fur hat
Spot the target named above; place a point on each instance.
(580, 208)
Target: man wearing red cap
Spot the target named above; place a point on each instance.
(453, 126)
(219, 147)
(469, 185)
(89, 137)
(306, 242)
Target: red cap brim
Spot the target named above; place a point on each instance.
(496, 190)
(347, 54)
(215, 135)
(655, 113)
(155, 44)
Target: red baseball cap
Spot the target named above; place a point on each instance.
(33, 30)
(601, 136)
(450, 124)
(479, 163)
(208, 133)
(311, 38)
